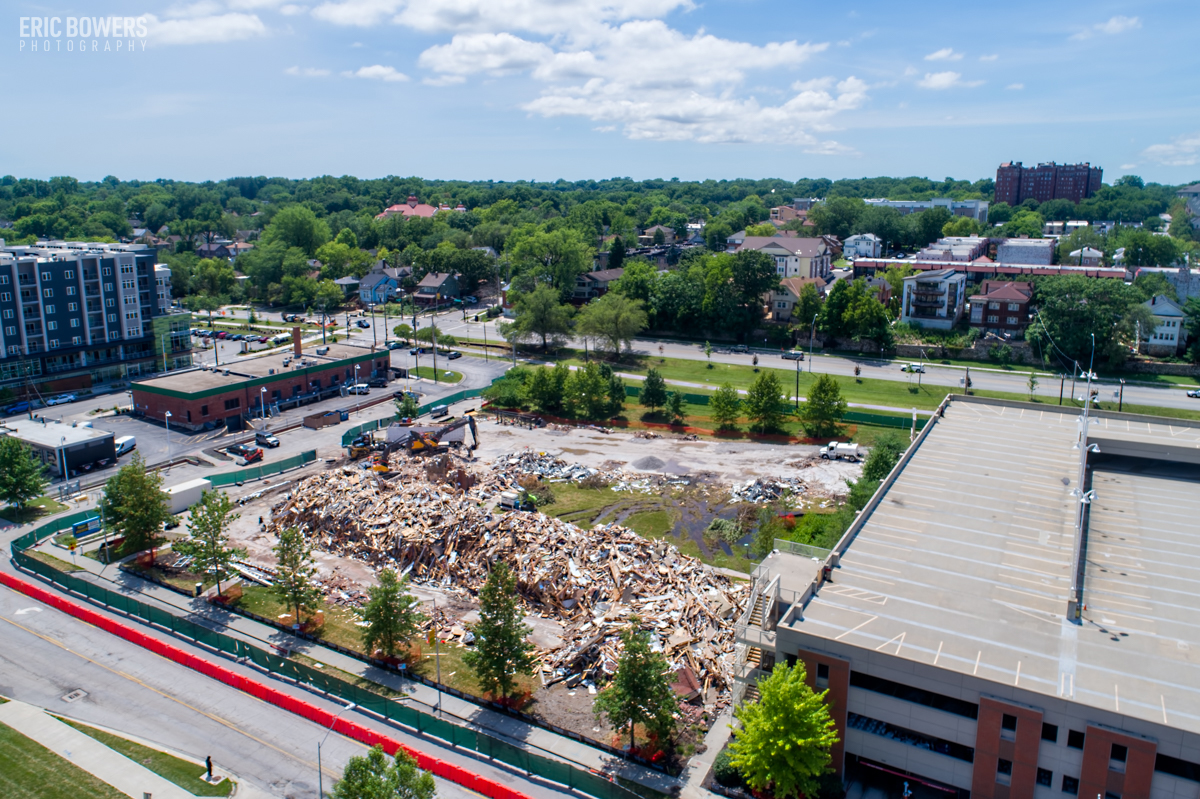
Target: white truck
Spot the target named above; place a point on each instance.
(837, 450)
(184, 495)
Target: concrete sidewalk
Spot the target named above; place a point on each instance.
(128, 777)
(534, 739)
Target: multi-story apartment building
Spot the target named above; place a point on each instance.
(1050, 181)
(794, 256)
(73, 314)
(934, 299)
(975, 209)
(1012, 614)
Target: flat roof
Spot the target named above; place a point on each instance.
(51, 434)
(249, 369)
(966, 561)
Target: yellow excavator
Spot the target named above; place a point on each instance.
(431, 440)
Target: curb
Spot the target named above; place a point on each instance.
(266, 693)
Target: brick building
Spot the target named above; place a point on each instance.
(203, 399)
(1001, 306)
(1050, 181)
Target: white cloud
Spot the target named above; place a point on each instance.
(1016, 87)
(1113, 26)
(306, 72)
(946, 80)
(494, 53)
(363, 13)
(291, 9)
(1128, 166)
(1182, 151)
(378, 72)
(547, 17)
(991, 57)
(945, 54)
(204, 29)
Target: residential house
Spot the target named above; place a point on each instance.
(410, 208)
(1169, 336)
(834, 244)
(591, 285)
(238, 248)
(1191, 196)
(934, 299)
(1087, 256)
(646, 237)
(864, 245)
(782, 214)
(880, 287)
(382, 283)
(794, 256)
(781, 303)
(1002, 306)
(436, 288)
(213, 250)
(348, 284)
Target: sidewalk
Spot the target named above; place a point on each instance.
(457, 711)
(128, 777)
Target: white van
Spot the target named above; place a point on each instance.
(125, 444)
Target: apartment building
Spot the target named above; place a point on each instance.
(1002, 306)
(75, 313)
(1170, 332)
(794, 256)
(934, 299)
(975, 209)
(991, 627)
(1016, 183)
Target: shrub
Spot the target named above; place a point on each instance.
(724, 772)
(724, 529)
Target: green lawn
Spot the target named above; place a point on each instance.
(443, 375)
(339, 627)
(29, 770)
(50, 560)
(183, 773)
(34, 509)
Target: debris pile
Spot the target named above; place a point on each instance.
(760, 490)
(590, 581)
(545, 466)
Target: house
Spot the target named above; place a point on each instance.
(239, 248)
(647, 237)
(591, 285)
(934, 299)
(1002, 306)
(348, 285)
(794, 256)
(864, 245)
(1191, 196)
(381, 284)
(880, 287)
(781, 303)
(436, 288)
(1169, 336)
(782, 214)
(213, 250)
(408, 209)
(1087, 256)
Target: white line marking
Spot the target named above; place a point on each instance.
(898, 646)
(1017, 681)
(1072, 676)
(939, 652)
(864, 624)
(1117, 696)
(977, 657)
(1163, 700)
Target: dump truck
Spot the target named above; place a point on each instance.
(839, 450)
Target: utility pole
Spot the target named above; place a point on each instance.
(437, 299)
(1121, 401)
(1062, 382)
(797, 385)
(812, 334)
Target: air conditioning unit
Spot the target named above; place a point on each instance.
(322, 350)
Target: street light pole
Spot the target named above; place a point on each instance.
(356, 394)
(374, 335)
(167, 421)
(320, 780)
(262, 403)
(433, 333)
(812, 334)
(797, 385)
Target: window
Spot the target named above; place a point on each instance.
(52, 325)
(75, 322)
(1012, 320)
(77, 340)
(1070, 785)
(107, 272)
(70, 291)
(6, 296)
(1050, 732)
(994, 320)
(233, 404)
(910, 737)
(108, 286)
(1008, 722)
(918, 696)
(50, 309)
(1075, 739)
(1004, 767)
(47, 292)
(112, 317)
(1012, 306)
(69, 274)
(46, 276)
(1045, 777)
(993, 306)
(3, 280)
(204, 410)
(1176, 767)
(53, 343)
(822, 675)
(1119, 753)
(110, 302)
(10, 331)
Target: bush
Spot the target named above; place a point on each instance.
(724, 529)
(536, 490)
(724, 772)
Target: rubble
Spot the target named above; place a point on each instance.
(591, 582)
(760, 490)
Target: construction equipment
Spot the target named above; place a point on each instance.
(424, 441)
(361, 446)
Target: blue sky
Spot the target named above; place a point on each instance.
(547, 89)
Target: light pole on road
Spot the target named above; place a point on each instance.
(320, 776)
(812, 334)
(167, 422)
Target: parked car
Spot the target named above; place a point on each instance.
(739, 348)
(248, 453)
(223, 334)
(1194, 393)
(61, 399)
(358, 388)
(417, 351)
(793, 355)
(266, 439)
(913, 367)
(377, 382)
(17, 407)
(395, 345)
(470, 300)
(406, 393)
(363, 323)
(451, 356)
(439, 410)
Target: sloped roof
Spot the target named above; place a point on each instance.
(802, 247)
(434, 279)
(604, 275)
(1011, 290)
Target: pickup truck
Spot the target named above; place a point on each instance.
(837, 450)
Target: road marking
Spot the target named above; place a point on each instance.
(899, 638)
(939, 652)
(23, 611)
(1017, 681)
(977, 657)
(864, 624)
(1117, 696)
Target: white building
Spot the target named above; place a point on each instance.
(1168, 336)
(934, 299)
(794, 256)
(864, 245)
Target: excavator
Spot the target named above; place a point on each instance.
(431, 440)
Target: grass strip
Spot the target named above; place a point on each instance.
(29, 770)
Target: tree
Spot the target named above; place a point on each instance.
(708, 351)
(546, 388)
(866, 320)
(541, 313)
(209, 526)
(297, 226)
(22, 475)
(837, 216)
(134, 506)
(675, 408)
(725, 407)
(616, 254)
(370, 776)
(654, 391)
(201, 303)
(1025, 223)
(808, 306)
(588, 392)
(294, 573)
(786, 736)
(1032, 384)
(640, 691)
(883, 457)
(407, 407)
(1072, 308)
(823, 409)
(501, 651)
(614, 319)
(403, 331)
(764, 403)
(765, 229)
(390, 614)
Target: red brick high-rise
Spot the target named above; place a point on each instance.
(1075, 182)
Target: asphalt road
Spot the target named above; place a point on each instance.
(47, 654)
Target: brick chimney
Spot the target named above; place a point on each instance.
(296, 342)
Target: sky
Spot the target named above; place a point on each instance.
(579, 89)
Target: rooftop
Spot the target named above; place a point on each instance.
(51, 434)
(966, 560)
(240, 371)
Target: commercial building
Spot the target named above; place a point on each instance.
(1049, 181)
(934, 299)
(73, 314)
(975, 209)
(1001, 306)
(1012, 614)
(59, 446)
(226, 396)
(794, 256)
(1037, 252)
